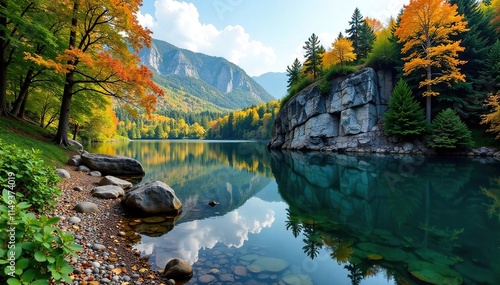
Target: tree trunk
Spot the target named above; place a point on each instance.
(428, 99)
(75, 131)
(62, 129)
(3, 60)
(20, 102)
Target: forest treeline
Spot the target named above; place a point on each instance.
(72, 66)
(448, 52)
(254, 122)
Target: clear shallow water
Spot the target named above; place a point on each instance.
(311, 218)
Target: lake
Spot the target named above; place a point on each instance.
(319, 218)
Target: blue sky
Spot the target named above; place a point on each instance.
(258, 35)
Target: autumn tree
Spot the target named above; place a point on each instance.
(385, 52)
(314, 53)
(493, 119)
(425, 29)
(294, 73)
(98, 57)
(375, 25)
(341, 53)
(354, 31)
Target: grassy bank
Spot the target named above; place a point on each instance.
(29, 136)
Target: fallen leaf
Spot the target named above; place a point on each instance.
(143, 270)
(117, 270)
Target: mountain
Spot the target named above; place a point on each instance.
(196, 81)
(274, 82)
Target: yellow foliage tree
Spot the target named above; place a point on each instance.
(342, 52)
(493, 118)
(425, 29)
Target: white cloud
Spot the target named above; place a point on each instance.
(179, 23)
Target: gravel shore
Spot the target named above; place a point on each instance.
(106, 257)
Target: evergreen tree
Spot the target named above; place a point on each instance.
(354, 31)
(490, 75)
(448, 131)
(467, 97)
(366, 39)
(314, 51)
(405, 116)
(294, 73)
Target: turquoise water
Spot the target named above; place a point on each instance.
(312, 218)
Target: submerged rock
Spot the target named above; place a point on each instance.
(178, 269)
(113, 165)
(152, 198)
(267, 264)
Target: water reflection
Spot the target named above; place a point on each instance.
(326, 218)
(419, 218)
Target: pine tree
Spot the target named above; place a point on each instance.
(366, 39)
(448, 131)
(354, 31)
(405, 116)
(294, 73)
(314, 52)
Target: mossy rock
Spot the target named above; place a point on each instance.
(434, 273)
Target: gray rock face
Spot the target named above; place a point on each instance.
(108, 192)
(152, 198)
(178, 269)
(111, 180)
(113, 165)
(340, 119)
(86, 207)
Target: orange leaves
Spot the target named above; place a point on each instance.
(493, 118)
(425, 29)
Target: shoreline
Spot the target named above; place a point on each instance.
(107, 257)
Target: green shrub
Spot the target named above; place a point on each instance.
(337, 71)
(31, 249)
(404, 117)
(448, 131)
(34, 180)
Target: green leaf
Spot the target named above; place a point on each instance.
(50, 259)
(40, 282)
(40, 257)
(23, 263)
(74, 247)
(29, 275)
(13, 281)
(53, 220)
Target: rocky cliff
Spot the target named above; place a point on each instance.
(346, 117)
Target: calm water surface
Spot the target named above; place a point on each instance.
(312, 218)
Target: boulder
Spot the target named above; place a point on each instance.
(111, 180)
(76, 144)
(178, 269)
(108, 192)
(75, 160)
(63, 173)
(86, 207)
(152, 198)
(95, 173)
(113, 165)
(83, 168)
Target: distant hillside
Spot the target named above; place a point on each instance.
(274, 82)
(196, 81)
